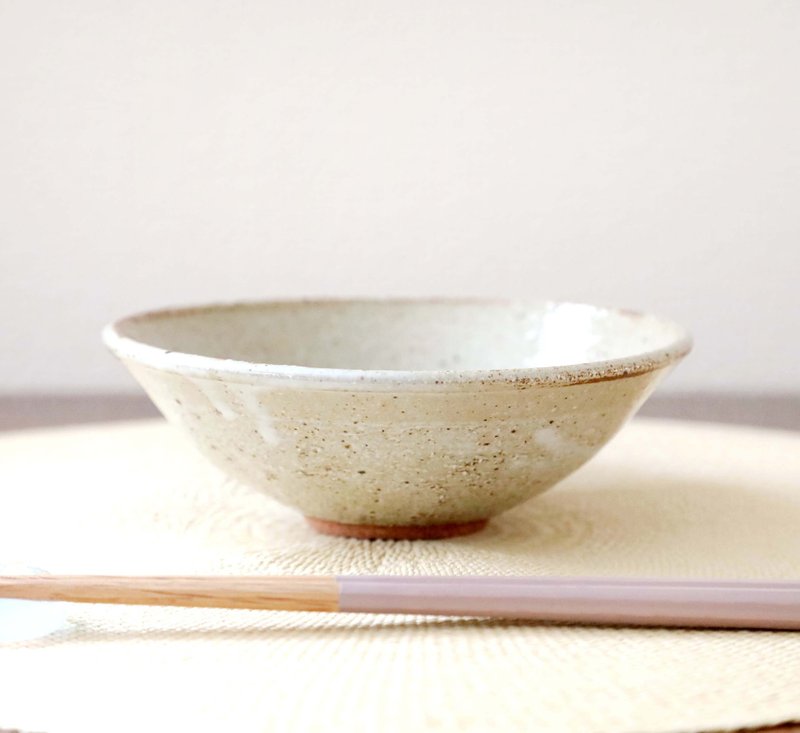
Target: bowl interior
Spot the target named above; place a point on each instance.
(404, 335)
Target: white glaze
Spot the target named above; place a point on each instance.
(399, 413)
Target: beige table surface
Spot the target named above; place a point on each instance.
(664, 498)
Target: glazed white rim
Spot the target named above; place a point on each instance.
(199, 366)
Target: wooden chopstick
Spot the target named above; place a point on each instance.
(628, 601)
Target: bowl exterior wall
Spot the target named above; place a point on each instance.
(395, 456)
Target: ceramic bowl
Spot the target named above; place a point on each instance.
(398, 419)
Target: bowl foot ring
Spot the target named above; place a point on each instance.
(396, 532)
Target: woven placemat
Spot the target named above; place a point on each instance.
(665, 498)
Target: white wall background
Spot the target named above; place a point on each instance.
(645, 154)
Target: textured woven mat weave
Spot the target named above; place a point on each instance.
(665, 498)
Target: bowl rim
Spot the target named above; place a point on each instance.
(199, 366)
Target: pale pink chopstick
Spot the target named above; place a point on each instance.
(627, 601)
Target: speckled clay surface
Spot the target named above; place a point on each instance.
(398, 414)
